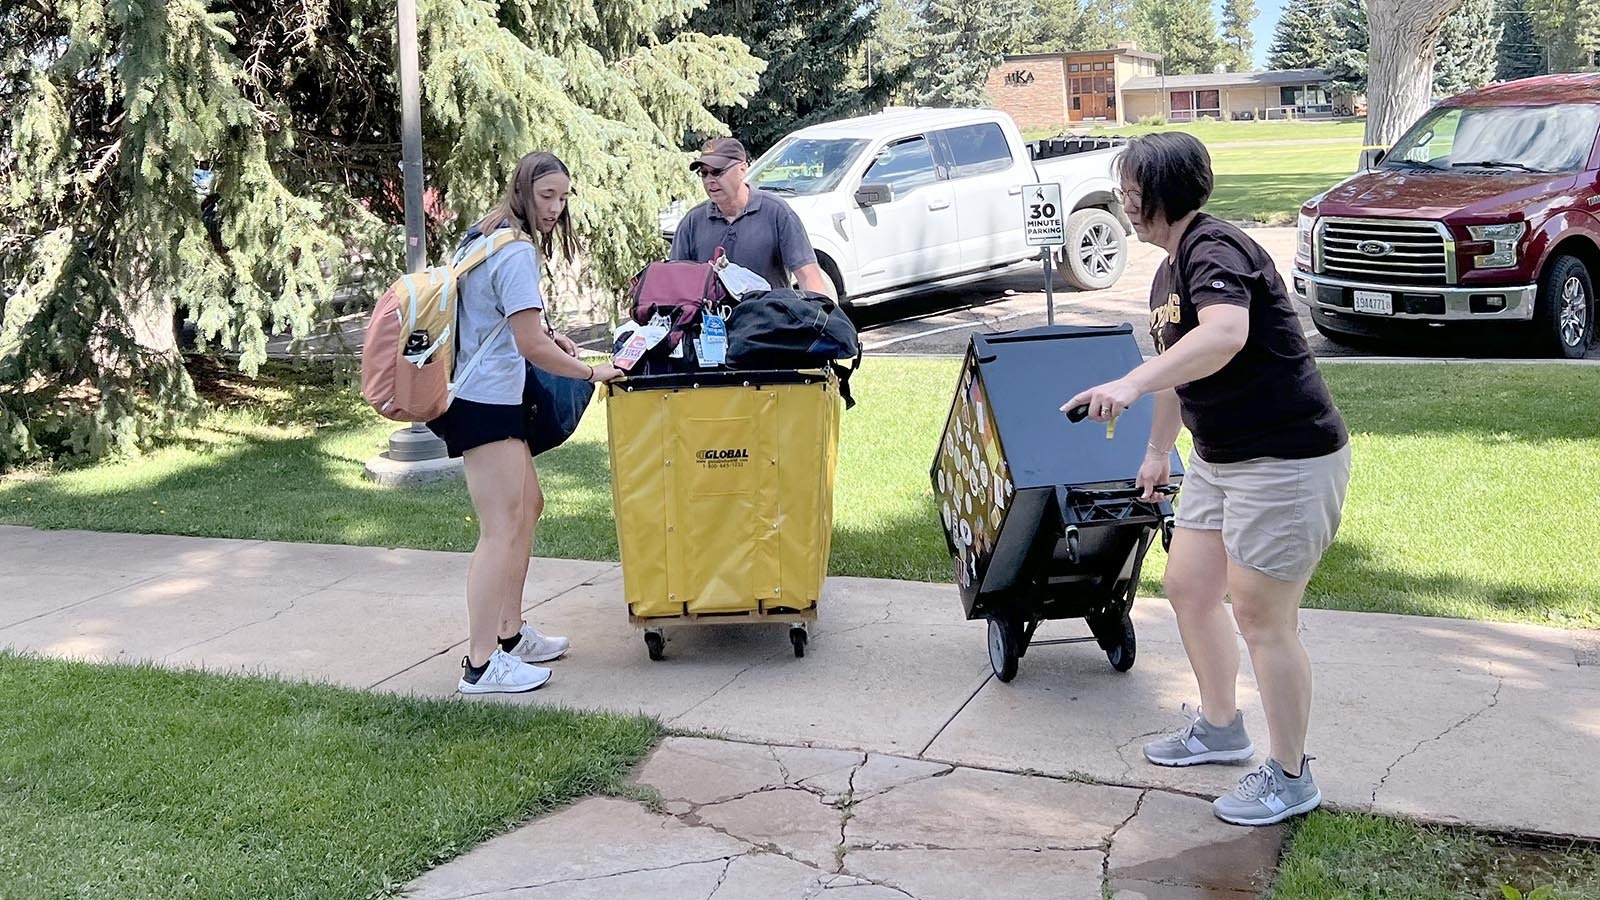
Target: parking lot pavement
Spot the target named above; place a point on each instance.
(940, 322)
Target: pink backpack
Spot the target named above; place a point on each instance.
(408, 359)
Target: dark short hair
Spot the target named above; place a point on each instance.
(1172, 170)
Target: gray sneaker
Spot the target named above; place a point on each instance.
(1267, 795)
(1202, 742)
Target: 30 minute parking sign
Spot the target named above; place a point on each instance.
(1043, 221)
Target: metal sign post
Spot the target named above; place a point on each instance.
(1045, 225)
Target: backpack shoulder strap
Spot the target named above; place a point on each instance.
(467, 259)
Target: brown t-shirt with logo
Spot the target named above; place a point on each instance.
(1270, 399)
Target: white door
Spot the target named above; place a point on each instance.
(987, 181)
(912, 237)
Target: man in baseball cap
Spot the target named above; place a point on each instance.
(756, 229)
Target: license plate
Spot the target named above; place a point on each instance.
(1374, 302)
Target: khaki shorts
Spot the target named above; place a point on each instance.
(1277, 516)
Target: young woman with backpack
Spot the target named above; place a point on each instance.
(487, 422)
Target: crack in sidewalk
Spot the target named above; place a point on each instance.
(1500, 682)
(713, 695)
(1111, 840)
(543, 884)
(238, 628)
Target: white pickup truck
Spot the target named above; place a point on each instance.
(911, 199)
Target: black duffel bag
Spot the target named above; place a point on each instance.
(789, 329)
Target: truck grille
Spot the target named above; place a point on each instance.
(1417, 252)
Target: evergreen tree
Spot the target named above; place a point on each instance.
(1183, 31)
(1104, 23)
(112, 110)
(1239, 44)
(897, 32)
(1520, 54)
(1051, 26)
(1569, 31)
(961, 43)
(1301, 39)
(1348, 42)
(1465, 59)
(812, 48)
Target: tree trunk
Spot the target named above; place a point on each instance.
(1400, 63)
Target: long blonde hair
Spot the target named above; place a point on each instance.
(516, 208)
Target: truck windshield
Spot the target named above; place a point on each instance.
(805, 165)
(1513, 138)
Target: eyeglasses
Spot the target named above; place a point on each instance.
(1122, 195)
(708, 172)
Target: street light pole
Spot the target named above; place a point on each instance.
(416, 443)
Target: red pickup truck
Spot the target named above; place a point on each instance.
(1486, 212)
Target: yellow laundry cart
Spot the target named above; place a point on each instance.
(722, 487)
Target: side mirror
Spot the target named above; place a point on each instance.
(874, 194)
(1371, 159)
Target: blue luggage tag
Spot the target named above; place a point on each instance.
(713, 346)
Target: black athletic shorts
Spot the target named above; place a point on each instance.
(468, 424)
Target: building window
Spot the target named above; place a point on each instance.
(1073, 67)
(1077, 102)
(1207, 101)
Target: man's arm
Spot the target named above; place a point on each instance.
(799, 257)
(812, 278)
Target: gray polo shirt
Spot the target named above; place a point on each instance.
(767, 238)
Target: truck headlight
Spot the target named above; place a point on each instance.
(1302, 251)
(1504, 237)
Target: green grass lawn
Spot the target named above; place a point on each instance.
(1473, 495)
(1350, 857)
(1234, 132)
(133, 783)
(1267, 182)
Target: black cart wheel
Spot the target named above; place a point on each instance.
(797, 637)
(656, 645)
(1166, 534)
(1004, 647)
(1114, 633)
(1072, 546)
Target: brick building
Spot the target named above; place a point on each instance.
(1051, 90)
(1124, 85)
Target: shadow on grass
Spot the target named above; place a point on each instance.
(1351, 577)
(1494, 405)
(1270, 198)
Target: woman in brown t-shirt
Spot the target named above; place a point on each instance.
(1264, 489)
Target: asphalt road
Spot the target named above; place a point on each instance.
(941, 322)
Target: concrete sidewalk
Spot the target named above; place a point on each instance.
(1494, 726)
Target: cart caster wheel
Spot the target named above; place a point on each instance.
(1121, 655)
(1166, 534)
(1004, 647)
(797, 637)
(1072, 546)
(656, 645)
(1114, 633)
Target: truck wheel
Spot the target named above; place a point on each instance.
(1563, 317)
(1096, 251)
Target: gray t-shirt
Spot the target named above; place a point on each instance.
(767, 238)
(505, 283)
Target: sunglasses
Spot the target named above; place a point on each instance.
(708, 172)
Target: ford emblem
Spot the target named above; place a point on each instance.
(1375, 248)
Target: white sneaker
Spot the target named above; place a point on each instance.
(537, 648)
(506, 674)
